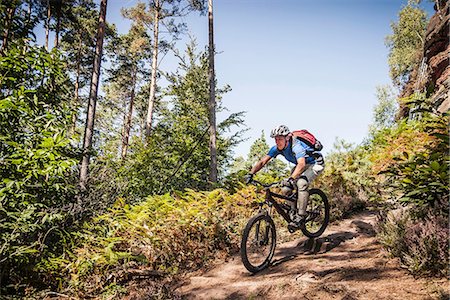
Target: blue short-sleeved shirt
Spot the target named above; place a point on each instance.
(292, 153)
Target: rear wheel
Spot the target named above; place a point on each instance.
(318, 214)
(258, 243)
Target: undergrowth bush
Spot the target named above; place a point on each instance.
(421, 176)
(37, 162)
(388, 144)
(391, 231)
(167, 233)
(422, 245)
(348, 180)
(417, 177)
(427, 246)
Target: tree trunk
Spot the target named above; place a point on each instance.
(212, 99)
(47, 24)
(90, 118)
(151, 99)
(77, 88)
(30, 4)
(11, 11)
(127, 124)
(59, 5)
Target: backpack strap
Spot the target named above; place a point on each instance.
(308, 152)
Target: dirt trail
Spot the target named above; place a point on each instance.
(345, 263)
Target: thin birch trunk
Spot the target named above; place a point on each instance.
(77, 88)
(151, 99)
(47, 24)
(212, 99)
(127, 125)
(90, 118)
(58, 22)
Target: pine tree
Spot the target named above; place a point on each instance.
(177, 155)
(78, 46)
(129, 53)
(90, 118)
(17, 21)
(157, 14)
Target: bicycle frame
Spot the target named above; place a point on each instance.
(270, 200)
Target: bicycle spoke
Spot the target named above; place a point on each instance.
(258, 243)
(317, 214)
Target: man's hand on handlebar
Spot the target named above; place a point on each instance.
(289, 182)
(248, 178)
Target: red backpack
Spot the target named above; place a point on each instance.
(308, 138)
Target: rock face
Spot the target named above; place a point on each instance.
(437, 53)
(434, 73)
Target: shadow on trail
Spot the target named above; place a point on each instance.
(327, 243)
(314, 246)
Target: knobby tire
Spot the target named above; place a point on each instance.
(318, 203)
(264, 235)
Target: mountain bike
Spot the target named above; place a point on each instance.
(259, 236)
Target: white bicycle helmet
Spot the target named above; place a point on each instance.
(279, 130)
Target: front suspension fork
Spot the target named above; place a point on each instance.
(267, 211)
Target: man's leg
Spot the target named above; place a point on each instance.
(298, 215)
(302, 199)
(311, 172)
(288, 192)
(293, 205)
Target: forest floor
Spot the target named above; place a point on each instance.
(347, 263)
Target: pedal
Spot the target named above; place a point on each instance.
(293, 228)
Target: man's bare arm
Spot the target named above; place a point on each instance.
(260, 164)
(301, 163)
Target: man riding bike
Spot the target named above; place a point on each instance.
(309, 164)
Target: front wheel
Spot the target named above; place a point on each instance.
(258, 243)
(318, 214)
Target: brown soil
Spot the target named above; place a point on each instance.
(347, 262)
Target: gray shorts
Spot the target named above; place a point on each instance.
(312, 171)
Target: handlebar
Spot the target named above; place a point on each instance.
(264, 185)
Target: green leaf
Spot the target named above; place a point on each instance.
(407, 180)
(16, 161)
(412, 193)
(435, 166)
(405, 199)
(47, 143)
(40, 152)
